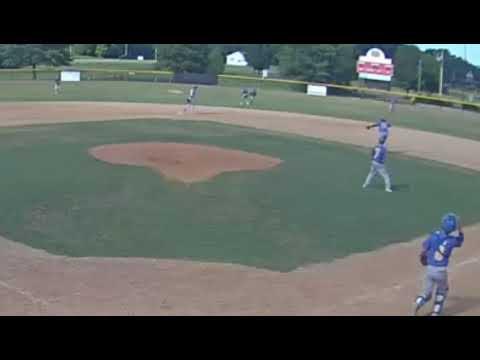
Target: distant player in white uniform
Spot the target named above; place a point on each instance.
(392, 104)
(248, 96)
(56, 86)
(191, 99)
(383, 129)
(379, 156)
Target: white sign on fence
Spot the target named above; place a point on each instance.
(317, 90)
(375, 66)
(69, 76)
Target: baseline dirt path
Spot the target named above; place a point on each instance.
(384, 282)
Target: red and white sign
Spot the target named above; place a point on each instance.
(375, 66)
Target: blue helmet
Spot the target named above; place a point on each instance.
(449, 223)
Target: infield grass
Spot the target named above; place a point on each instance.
(310, 209)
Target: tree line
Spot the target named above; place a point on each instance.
(332, 63)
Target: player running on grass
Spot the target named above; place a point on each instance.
(435, 255)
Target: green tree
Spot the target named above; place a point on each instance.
(430, 73)
(216, 61)
(259, 56)
(85, 49)
(455, 68)
(276, 50)
(181, 58)
(389, 49)
(344, 63)
(406, 66)
(307, 62)
(145, 50)
(101, 50)
(114, 51)
(21, 55)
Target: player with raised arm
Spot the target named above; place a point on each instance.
(383, 129)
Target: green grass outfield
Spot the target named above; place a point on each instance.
(446, 121)
(113, 64)
(310, 209)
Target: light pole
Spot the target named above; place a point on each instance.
(419, 84)
(440, 85)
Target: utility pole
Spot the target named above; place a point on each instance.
(420, 69)
(126, 50)
(440, 85)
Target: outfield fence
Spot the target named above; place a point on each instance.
(92, 74)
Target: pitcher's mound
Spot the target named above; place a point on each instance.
(184, 162)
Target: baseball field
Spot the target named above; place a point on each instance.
(115, 202)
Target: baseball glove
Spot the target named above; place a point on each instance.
(423, 259)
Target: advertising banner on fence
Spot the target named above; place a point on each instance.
(70, 76)
(317, 90)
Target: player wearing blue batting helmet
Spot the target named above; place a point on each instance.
(449, 223)
(436, 252)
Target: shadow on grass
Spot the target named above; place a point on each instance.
(401, 187)
(395, 188)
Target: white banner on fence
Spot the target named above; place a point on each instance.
(317, 90)
(68, 76)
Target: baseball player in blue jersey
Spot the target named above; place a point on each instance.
(191, 99)
(379, 156)
(435, 255)
(383, 129)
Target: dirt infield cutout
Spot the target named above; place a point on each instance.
(187, 163)
(383, 282)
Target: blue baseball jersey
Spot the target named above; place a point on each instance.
(383, 127)
(379, 153)
(439, 247)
